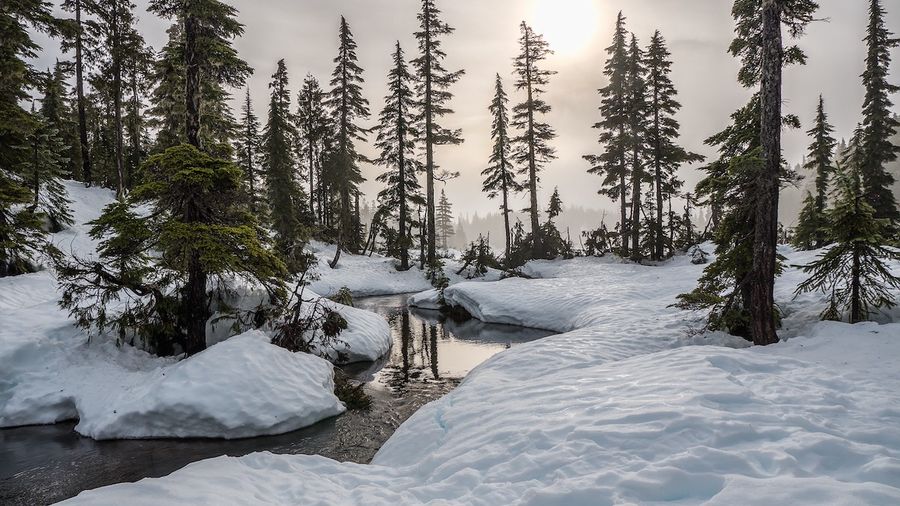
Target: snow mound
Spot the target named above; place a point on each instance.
(366, 338)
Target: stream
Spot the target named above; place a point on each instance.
(430, 355)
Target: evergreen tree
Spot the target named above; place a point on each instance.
(81, 40)
(612, 163)
(249, 147)
(444, 220)
(396, 142)
(500, 179)
(200, 226)
(811, 232)
(312, 123)
(47, 164)
(434, 82)
(879, 124)
(194, 69)
(285, 196)
(21, 236)
(556, 205)
(532, 148)
(738, 180)
(347, 107)
(854, 272)
(637, 130)
(666, 157)
(57, 110)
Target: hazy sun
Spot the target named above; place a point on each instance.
(568, 25)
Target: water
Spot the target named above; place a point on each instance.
(45, 464)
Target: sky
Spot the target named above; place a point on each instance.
(304, 33)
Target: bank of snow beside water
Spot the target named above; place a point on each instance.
(624, 409)
(240, 387)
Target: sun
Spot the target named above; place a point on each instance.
(568, 25)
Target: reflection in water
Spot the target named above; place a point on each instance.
(44, 464)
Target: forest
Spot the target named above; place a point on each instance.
(185, 266)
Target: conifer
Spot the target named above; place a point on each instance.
(444, 221)
(312, 123)
(249, 148)
(499, 177)
(811, 232)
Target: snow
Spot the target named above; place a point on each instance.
(366, 338)
(623, 408)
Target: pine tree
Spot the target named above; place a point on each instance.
(284, 194)
(637, 131)
(200, 226)
(83, 43)
(532, 148)
(434, 82)
(249, 147)
(666, 157)
(444, 220)
(196, 66)
(56, 109)
(556, 205)
(347, 106)
(312, 123)
(500, 179)
(879, 124)
(811, 232)
(738, 180)
(612, 163)
(396, 143)
(854, 272)
(21, 235)
(47, 163)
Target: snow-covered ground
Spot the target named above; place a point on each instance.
(50, 371)
(623, 408)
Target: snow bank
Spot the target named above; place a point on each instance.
(621, 410)
(366, 338)
(243, 387)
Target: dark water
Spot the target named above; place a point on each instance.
(45, 464)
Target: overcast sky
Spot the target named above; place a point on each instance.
(304, 33)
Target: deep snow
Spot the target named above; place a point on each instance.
(623, 408)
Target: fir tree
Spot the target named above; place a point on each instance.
(47, 164)
(396, 142)
(83, 43)
(200, 227)
(879, 124)
(532, 148)
(666, 156)
(249, 147)
(444, 220)
(434, 82)
(612, 163)
(312, 123)
(57, 110)
(811, 232)
(192, 74)
(284, 194)
(637, 127)
(347, 107)
(854, 272)
(556, 205)
(500, 179)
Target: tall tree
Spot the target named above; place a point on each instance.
(312, 123)
(195, 67)
(21, 237)
(533, 150)
(499, 177)
(879, 124)
(347, 107)
(666, 156)
(637, 133)
(285, 196)
(811, 232)
(855, 272)
(83, 43)
(434, 96)
(612, 163)
(396, 143)
(47, 161)
(249, 147)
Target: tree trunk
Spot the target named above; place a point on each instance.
(431, 256)
(192, 80)
(117, 100)
(401, 145)
(636, 174)
(79, 92)
(762, 277)
(532, 164)
(657, 167)
(856, 311)
(623, 207)
(506, 216)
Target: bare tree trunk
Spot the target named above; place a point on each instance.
(431, 253)
(117, 99)
(762, 278)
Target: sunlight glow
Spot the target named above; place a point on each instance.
(568, 25)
